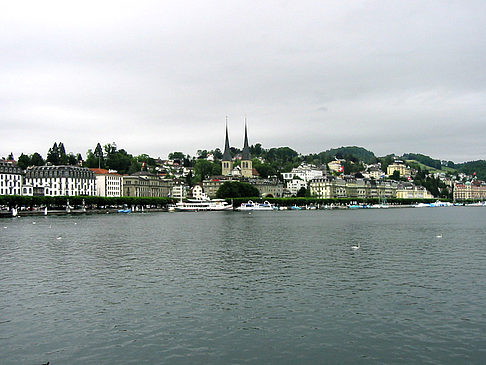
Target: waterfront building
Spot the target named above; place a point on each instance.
(146, 184)
(408, 190)
(108, 182)
(268, 188)
(61, 180)
(470, 190)
(211, 186)
(330, 187)
(11, 178)
(178, 190)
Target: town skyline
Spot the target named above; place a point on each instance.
(159, 77)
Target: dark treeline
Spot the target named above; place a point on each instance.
(77, 202)
(96, 202)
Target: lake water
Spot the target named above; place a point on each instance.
(233, 288)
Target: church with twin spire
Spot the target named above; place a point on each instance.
(246, 164)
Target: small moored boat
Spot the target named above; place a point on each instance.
(251, 206)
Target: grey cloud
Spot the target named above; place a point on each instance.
(161, 76)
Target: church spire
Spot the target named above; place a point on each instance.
(226, 153)
(245, 154)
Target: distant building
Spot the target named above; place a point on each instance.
(146, 184)
(246, 162)
(245, 169)
(11, 178)
(293, 186)
(178, 190)
(300, 177)
(268, 188)
(212, 185)
(375, 173)
(61, 180)
(408, 190)
(401, 168)
(336, 165)
(108, 182)
(470, 190)
(330, 187)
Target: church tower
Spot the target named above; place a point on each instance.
(226, 162)
(246, 163)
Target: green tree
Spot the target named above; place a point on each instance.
(203, 169)
(302, 192)
(217, 154)
(24, 161)
(71, 159)
(236, 189)
(395, 176)
(62, 157)
(121, 161)
(99, 156)
(53, 155)
(176, 156)
(36, 159)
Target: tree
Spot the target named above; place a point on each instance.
(202, 154)
(53, 154)
(99, 156)
(36, 160)
(63, 158)
(24, 161)
(10, 157)
(71, 159)
(302, 192)
(203, 169)
(396, 175)
(122, 162)
(176, 156)
(264, 169)
(91, 160)
(217, 154)
(236, 189)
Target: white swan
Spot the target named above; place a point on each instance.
(356, 247)
(439, 236)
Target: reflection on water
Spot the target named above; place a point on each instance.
(266, 287)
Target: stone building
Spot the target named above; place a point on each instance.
(146, 184)
(330, 187)
(470, 190)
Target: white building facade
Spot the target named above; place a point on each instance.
(61, 180)
(300, 177)
(108, 183)
(10, 179)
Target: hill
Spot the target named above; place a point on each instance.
(352, 153)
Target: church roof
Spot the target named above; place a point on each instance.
(245, 154)
(226, 153)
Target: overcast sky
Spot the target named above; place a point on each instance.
(161, 76)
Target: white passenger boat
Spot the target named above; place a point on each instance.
(251, 206)
(197, 205)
